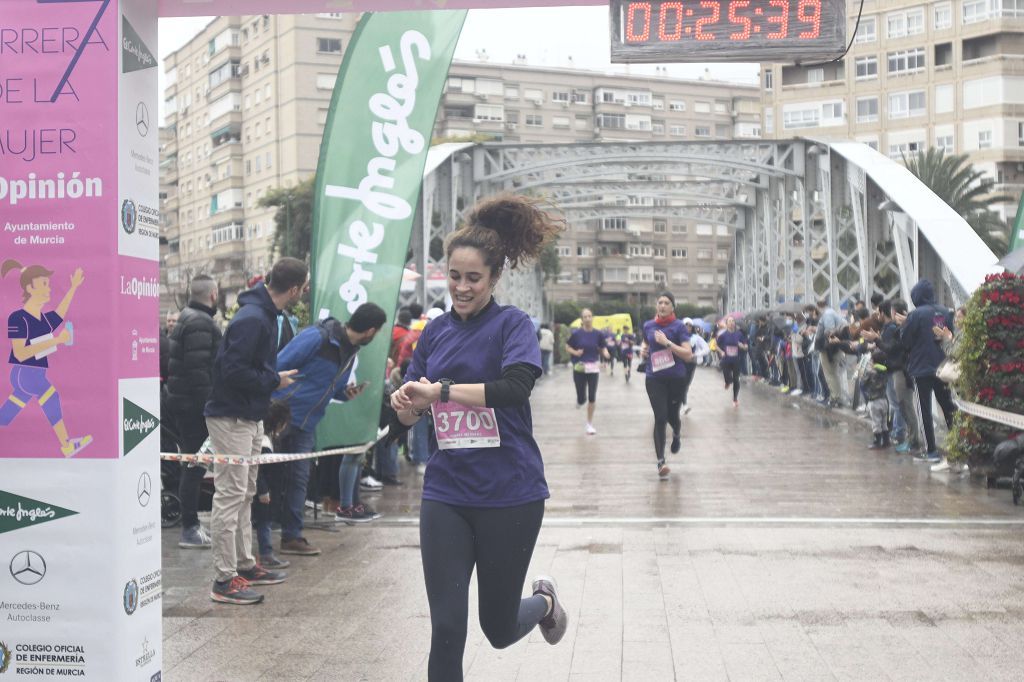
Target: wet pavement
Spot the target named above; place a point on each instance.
(780, 548)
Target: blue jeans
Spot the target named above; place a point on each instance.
(899, 424)
(421, 441)
(545, 361)
(386, 460)
(296, 482)
(348, 479)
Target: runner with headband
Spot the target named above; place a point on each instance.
(484, 489)
(586, 346)
(666, 346)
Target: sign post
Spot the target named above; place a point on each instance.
(79, 392)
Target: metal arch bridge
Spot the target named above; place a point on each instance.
(810, 219)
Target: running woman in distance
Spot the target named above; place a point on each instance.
(730, 343)
(666, 346)
(586, 346)
(484, 489)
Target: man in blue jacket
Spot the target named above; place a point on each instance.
(244, 377)
(924, 355)
(324, 356)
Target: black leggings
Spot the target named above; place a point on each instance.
(691, 369)
(499, 542)
(666, 396)
(585, 384)
(731, 372)
(925, 387)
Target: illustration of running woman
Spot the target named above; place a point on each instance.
(34, 336)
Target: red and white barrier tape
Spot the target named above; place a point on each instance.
(272, 457)
(992, 414)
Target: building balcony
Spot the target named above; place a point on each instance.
(230, 182)
(613, 236)
(229, 119)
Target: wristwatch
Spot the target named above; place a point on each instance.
(446, 386)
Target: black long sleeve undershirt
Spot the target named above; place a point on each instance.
(513, 388)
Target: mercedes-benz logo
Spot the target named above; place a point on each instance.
(144, 489)
(28, 567)
(142, 119)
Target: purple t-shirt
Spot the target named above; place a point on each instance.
(729, 344)
(22, 325)
(475, 351)
(590, 343)
(677, 334)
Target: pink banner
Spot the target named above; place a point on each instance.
(58, 202)
(198, 8)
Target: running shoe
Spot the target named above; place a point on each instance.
(553, 625)
(366, 512)
(257, 575)
(903, 448)
(591, 430)
(735, 403)
(75, 445)
(676, 443)
(663, 470)
(370, 483)
(273, 563)
(941, 466)
(194, 537)
(234, 591)
(797, 391)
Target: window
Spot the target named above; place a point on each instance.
(640, 250)
(676, 105)
(658, 127)
(984, 139)
(722, 255)
(584, 274)
(945, 143)
(943, 98)
(679, 253)
(511, 92)
(1020, 134)
(706, 278)
(583, 122)
(580, 97)
(704, 230)
(679, 228)
(905, 61)
(325, 81)
(867, 32)
(658, 103)
(975, 11)
(899, 151)
(680, 278)
(489, 86)
(769, 120)
(614, 274)
(702, 107)
(489, 112)
(534, 120)
(660, 226)
(564, 251)
(722, 230)
(801, 118)
(915, 21)
(720, 107)
(660, 276)
(702, 131)
(611, 120)
(867, 109)
(328, 45)
(905, 104)
(560, 96)
(831, 113)
(533, 95)
(907, 23)
(866, 67)
(565, 277)
(677, 130)
(815, 75)
(615, 224)
(638, 122)
(942, 16)
(769, 79)
(560, 122)
(659, 251)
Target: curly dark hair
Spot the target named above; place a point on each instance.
(508, 227)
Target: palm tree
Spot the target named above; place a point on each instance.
(967, 191)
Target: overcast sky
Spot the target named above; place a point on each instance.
(501, 33)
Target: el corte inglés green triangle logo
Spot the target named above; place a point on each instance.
(137, 425)
(19, 512)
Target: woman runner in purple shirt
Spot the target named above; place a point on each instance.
(483, 491)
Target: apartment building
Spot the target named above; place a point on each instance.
(246, 102)
(948, 74)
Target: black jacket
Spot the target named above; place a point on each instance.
(245, 370)
(194, 344)
(924, 352)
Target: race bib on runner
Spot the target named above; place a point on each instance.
(591, 367)
(459, 426)
(732, 351)
(662, 359)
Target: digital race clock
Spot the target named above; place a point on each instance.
(727, 30)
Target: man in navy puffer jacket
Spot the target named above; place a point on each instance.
(324, 355)
(924, 354)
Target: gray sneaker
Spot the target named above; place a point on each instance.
(271, 562)
(194, 537)
(553, 625)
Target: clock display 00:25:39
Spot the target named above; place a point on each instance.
(653, 22)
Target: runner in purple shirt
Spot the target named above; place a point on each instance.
(483, 491)
(730, 342)
(586, 345)
(34, 337)
(666, 346)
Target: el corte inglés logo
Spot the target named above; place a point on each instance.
(18, 512)
(136, 425)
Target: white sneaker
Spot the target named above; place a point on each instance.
(796, 391)
(591, 430)
(941, 466)
(370, 483)
(686, 409)
(421, 469)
